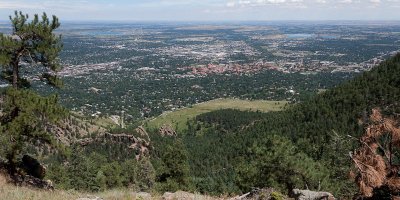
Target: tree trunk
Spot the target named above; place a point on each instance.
(15, 75)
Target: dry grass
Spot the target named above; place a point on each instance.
(3, 181)
(11, 192)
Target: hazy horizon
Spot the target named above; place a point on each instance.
(208, 10)
(226, 22)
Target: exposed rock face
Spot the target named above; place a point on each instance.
(312, 195)
(33, 167)
(34, 179)
(139, 145)
(167, 130)
(60, 133)
(30, 181)
(142, 132)
(67, 130)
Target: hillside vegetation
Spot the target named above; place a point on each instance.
(303, 146)
(225, 147)
(230, 151)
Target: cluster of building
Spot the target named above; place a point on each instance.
(231, 68)
(78, 70)
(218, 51)
(314, 66)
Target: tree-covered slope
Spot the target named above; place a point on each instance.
(231, 151)
(226, 155)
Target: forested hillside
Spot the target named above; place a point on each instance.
(230, 151)
(306, 145)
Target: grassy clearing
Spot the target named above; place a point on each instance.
(179, 118)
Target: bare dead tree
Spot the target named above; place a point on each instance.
(374, 160)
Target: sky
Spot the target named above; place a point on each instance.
(206, 10)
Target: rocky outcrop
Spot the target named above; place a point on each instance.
(137, 144)
(30, 181)
(30, 173)
(270, 193)
(311, 195)
(167, 130)
(124, 138)
(142, 132)
(67, 130)
(33, 167)
(60, 133)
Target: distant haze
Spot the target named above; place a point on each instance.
(207, 10)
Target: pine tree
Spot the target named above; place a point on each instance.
(276, 162)
(33, 42)
(174, 172)
(101, 181)
(26, 118)
(146, 175)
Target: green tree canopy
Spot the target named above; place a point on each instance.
(173, 173)
(276, 162)
(33, 43)
(26, 118)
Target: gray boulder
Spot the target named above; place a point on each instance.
(90, 198)
(312, 195)
(143, 195)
